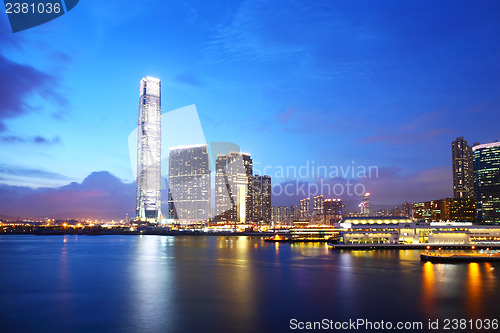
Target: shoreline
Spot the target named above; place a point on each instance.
(268, 234)
(413, 246)
(139, 233)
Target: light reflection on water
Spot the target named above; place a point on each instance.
(151, 282)
(224, 284)
(468, 283)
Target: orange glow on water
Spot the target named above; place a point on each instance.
(474, 288)
(428, 286)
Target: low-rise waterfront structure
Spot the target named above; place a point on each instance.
(400, 230)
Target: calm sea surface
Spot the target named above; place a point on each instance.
(224, 284)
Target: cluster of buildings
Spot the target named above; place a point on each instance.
(471, 217)
(240, 196)
(476, 187)
(449, 209)
(324, 211)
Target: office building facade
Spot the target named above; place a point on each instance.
(463, 173)
(189, 187)
(232, 196)
(259, 202)
(487, 182)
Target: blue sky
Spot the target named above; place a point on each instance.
(385, 83)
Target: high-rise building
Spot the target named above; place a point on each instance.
(259, 202)
(223, 199)
(148, 200)
(487, 182)
(285, 214)
(305, 208)
(463, 174)
(365, 205)
(333, 210)
(318, 203)
(266, 194)
(243, 206)
(232, 178)
(189, 183)
(294, 213)
(278, 215)
(333, 206)
(407, 209)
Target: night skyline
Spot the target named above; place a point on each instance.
(249, 166)
(390, 84)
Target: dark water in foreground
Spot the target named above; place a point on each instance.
(225, 284)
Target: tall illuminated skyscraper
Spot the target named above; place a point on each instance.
(463, 174)
(148, 202)
(487, 182)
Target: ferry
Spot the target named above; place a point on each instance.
(278, 239)
(443, 258)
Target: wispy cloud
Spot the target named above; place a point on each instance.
(285, 116)
(20, 82)
(427, 126)
(29, 172)
(402, 138)
(298, 120)
(189, 79)
(36, 139)
(62, 57)
(253, 34)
